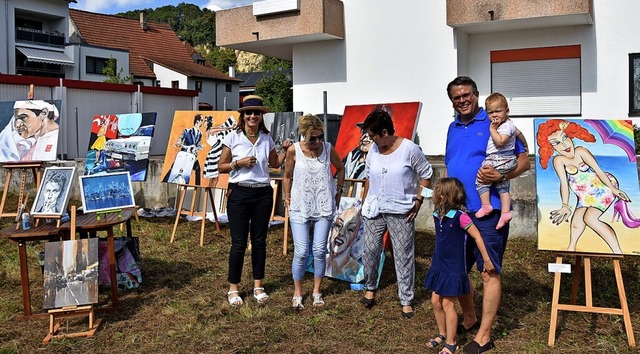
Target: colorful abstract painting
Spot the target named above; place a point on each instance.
(70, 273)
(353, 144)
(587, 186)
(120, 142)
(195, 146)
(29, 130)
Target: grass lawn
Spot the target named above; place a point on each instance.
(181, 306)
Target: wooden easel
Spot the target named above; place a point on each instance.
(199, 192)
(35, 167)
(56, 315)
(556, 306)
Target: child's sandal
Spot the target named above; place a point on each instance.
(450, 349)
(434, 343)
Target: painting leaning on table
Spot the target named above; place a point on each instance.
(587, 186)
(70, 273)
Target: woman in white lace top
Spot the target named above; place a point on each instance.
(311, 197)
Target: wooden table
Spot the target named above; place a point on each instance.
(44, 232)
(86, 223)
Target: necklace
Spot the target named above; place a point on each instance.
(251, 135)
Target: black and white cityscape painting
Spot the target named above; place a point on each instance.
(70, 273)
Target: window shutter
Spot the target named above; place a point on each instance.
(548, 87)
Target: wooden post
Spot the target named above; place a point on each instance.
(588, 307)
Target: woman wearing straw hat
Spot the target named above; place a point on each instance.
(247, 154)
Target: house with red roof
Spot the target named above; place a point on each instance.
(150, 52)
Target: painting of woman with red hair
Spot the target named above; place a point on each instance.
(578, 171)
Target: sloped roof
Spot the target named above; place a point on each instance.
(158, 44)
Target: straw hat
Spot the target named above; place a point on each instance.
(253, 102)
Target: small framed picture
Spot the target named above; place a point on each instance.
(53, 193)
(106, 192)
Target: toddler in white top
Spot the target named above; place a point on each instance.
(500, 155)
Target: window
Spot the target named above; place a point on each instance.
(199, 86)
(95, 65)
(634, 84)
(175, 84)
(157, 83)
(229, 88)
(539, 81)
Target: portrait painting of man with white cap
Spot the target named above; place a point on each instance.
(30, 130)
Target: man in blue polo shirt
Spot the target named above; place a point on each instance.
(467, 140)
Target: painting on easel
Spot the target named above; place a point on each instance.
(53, 193)
(106, 192)
(70, 273)
(30, 130)
(195, 146)
(587, 183)
(120, 142)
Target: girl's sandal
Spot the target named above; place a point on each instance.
(234, 300)
(262, 297)
(434, 343)
(450, 349)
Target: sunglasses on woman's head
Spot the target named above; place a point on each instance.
(251, 112)
(314, 138)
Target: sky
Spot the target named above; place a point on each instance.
(117, 6)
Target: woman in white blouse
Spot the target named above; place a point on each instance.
(312, 198)
(247, 154)
(395, 168)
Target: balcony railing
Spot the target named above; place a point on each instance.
(52, 39)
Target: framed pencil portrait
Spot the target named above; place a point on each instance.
(53, 193)
(106, 192)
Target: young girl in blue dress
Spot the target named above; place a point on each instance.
(447, 276)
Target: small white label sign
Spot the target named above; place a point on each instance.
(559, 268)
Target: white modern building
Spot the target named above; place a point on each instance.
(569, 58)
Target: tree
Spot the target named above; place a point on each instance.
(275, 86)
(221, 58)
(275, 89)
(192, 24)
(113, 75)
